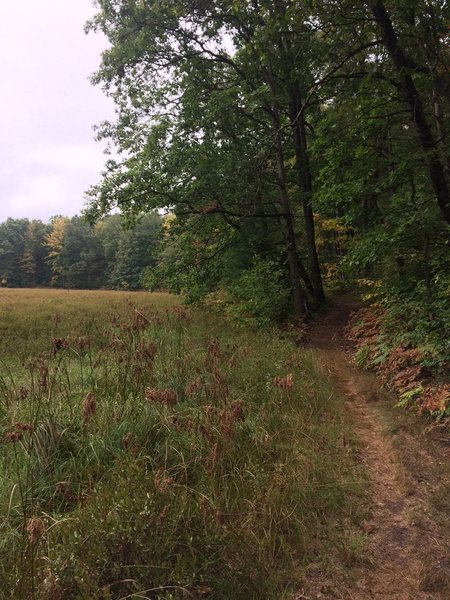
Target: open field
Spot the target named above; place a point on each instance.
(148, 451)
(30, 318)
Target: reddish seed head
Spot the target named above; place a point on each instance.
(284, 382)
(89, 407)
(13, 436)
(167, 397)
(63, 487)
(58, 344)
(226, 424)
(192, 387)
(23, 427)
(23, 393)
(152, 394)
(43, 376)
(127, 440)
(163, 514)
(35, 529)
(139, 321)
(214, 348)
(147, 350)
(237, 410)
(182, 314)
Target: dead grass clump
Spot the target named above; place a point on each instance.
(166, 397)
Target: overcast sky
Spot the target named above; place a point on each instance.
(48, 156)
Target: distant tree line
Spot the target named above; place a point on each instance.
(68, 252)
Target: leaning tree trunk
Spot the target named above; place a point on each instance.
(305, 182)
(295, 266)
(413, 100)
(302, 163)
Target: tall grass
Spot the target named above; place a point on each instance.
(152, 452)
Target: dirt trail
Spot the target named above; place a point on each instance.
(408, 538)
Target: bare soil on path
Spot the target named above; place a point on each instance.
(407, 532)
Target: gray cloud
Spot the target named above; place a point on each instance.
(48, 157)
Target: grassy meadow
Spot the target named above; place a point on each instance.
(148, 451)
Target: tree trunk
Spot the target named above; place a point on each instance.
(439, 120)
(297, 119)
(295, 266)
(412, 98)
(305, 182)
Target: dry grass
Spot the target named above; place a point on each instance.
(149, 451)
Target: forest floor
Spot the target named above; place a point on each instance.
(406, 549)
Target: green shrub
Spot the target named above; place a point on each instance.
(259, 296)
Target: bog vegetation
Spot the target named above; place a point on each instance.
(151, 451)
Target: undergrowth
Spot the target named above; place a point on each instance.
(409, 350)
(152, 452)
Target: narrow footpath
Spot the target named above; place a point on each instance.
(407, 554)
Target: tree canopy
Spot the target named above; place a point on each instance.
(255, 122)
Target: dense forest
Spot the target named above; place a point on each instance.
(70, 253)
